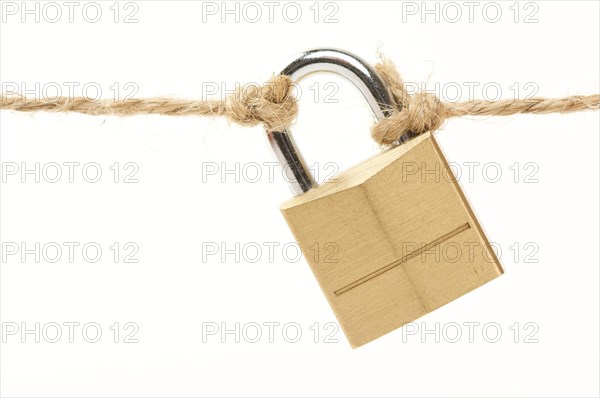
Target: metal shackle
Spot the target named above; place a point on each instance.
(342, 63)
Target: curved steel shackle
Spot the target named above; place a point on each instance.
(358, 72)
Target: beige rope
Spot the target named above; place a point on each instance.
(274, 106)
(424, 112)
(271, 104)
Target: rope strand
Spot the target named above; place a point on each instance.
(274, 106)
(424, 112)
(271, 104)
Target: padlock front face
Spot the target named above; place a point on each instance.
(391, 239)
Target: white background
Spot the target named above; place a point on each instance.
(171, 293)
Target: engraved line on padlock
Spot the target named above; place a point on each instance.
(403, 260)
(372, 211)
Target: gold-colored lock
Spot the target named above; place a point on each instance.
(401, 237)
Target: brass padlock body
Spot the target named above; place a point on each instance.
(397, 239)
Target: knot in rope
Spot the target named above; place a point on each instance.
(414, 114)
(271, 104)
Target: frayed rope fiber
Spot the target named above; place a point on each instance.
(274, 106)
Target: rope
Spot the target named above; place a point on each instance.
(271, 105)
(274, 106)
(424, 112)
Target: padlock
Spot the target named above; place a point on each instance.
(394, 237)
